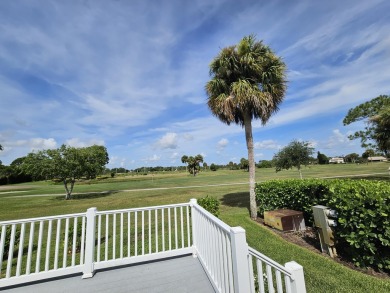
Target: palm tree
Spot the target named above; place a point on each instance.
(248, 81)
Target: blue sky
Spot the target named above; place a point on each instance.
(130, 75)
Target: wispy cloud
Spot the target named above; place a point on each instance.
(131, 75)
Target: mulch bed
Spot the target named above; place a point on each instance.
(309, 240)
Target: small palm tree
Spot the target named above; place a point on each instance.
(248, 81)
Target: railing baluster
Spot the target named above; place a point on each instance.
(11, 251)
(169, 229)
(176, 240)
(135, 233)
(220, 259)
(30, 248)
(270, 281)
(114, 237)
(162, 229)
(229, 261)
(150, 230)
(121, 238)
(182, 227)
(65, 256)
(106, 241)
(40, 235)
(83, 228)
(260, 275)
(48, 245)
(74, 242)
(143, 231)
(279, 285)
(188, 227)
(2, 244)
(156, 227)
(20, 252)
(251, 273)
(287, 282)
(57, 248)
(99, 237)
(128, 234)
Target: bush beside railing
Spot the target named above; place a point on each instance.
(363, 231)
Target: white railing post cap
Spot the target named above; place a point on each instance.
(92, 209)
(193, 201)
(237, 230)
(292, 265)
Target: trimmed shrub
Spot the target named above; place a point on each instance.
(363, 226)
(294, 194)
(363, 230)
(210, 204)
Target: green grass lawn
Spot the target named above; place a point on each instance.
(321, 273)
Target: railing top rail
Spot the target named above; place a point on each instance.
(269, 261)
(211, 217)
(29, 220)
(142, 209)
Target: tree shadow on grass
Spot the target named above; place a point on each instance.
(88, 195)
(237, 199)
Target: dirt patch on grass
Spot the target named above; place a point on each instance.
(309, 240)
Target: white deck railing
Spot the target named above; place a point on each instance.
(41, 248)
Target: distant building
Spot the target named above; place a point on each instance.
(377, 159)
(336, 160)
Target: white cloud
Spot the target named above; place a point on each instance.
(268, 144)
(34, 143)
(338, 139)
(174, 156)
(168, 141)
(153, 158)
(188, 136)
(222, 144)
(76, 142)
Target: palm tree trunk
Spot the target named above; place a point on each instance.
(251, 159)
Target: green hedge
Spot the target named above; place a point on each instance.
(363, 230)
(210, 204)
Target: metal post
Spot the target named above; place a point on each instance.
(240, 260)
(88, 269)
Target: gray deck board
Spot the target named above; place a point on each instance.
(182, 274)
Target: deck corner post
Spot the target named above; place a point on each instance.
(88, 270)
(240, 260)
(298, 279)
(194, 226)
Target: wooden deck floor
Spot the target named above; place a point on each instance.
(181, 274)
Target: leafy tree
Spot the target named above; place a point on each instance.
(193, 163)
(265, 164)
(352, 158)
(213, 167)
(248, 81)
(66, 164)
(295, 154)
(376, 114)
(95, 158)
(322, 159)
(205, 165)
(244, 164)
(368, 153)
